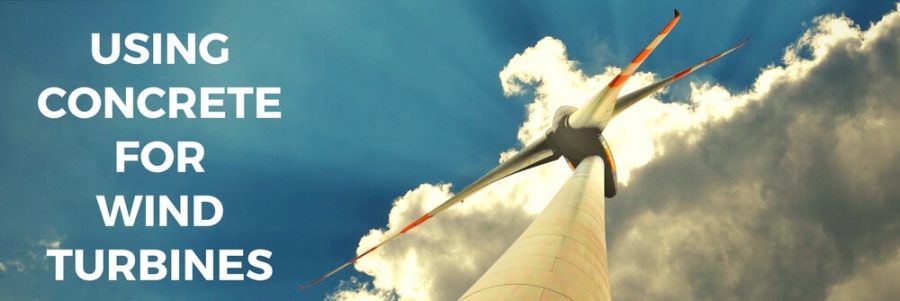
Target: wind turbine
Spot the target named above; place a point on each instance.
(577, 136)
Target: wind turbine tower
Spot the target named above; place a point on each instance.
(562, 254)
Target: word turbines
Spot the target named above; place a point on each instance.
(153, 265)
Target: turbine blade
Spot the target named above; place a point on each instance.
(626, 101)
(532, 155)
(598, 110)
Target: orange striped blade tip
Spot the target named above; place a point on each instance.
(671, 24)
(622, 77)
(711, 59)
(408, 227)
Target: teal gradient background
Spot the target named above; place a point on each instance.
(377, 97)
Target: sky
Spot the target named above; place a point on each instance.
(764, 176)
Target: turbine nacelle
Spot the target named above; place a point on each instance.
(575, 144)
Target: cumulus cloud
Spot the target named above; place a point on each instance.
(783, 192)
(356, 290)
(787, 197)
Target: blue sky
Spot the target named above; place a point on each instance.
(377, 97)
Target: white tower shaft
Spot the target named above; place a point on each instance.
(562, 254)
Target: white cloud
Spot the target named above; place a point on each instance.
(50, 243)
(728, 193)
(785, 198)
(354, 289)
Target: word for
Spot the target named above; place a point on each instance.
(168, 155)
